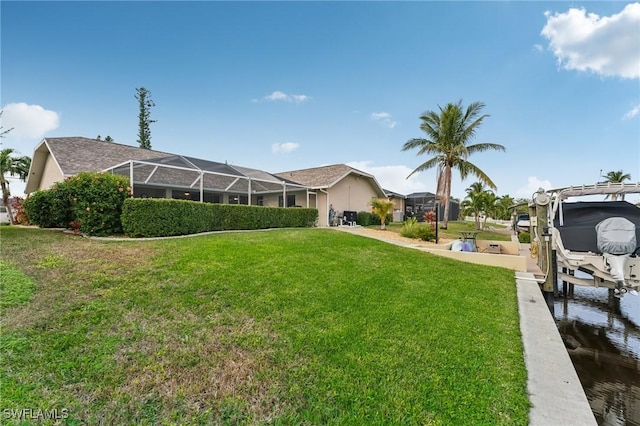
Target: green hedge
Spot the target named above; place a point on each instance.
(49, 208)
(154, 217)
(524, 237)
(367, 218)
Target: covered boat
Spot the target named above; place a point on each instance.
(599, 238)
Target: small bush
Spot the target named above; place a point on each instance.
(367, 218)
(524, 237)
(410, 228)
(49, 208)
(18, 211)
(413, 229)
(96, 203)
(152, 217)
(425, 233)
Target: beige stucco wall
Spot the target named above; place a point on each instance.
(506, 247)
(398, 203)
(509, 261)
(509, 257)
(51, 174)
(353, 193)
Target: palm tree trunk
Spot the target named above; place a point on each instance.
(5, 197)
(447, 196)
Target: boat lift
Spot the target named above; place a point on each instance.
(567, 237)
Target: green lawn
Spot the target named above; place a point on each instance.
(289, 327)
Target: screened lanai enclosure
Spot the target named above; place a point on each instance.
(188, 178)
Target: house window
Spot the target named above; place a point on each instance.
(260, 200)
(291, 200)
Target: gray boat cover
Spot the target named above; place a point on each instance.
(578, 232)
(616, 235)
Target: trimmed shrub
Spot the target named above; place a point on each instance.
(367, 218)
(524, 237)
(49, 208)
(154, 217)
(425, 233)
(88, 202)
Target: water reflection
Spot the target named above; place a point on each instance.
(602, 336)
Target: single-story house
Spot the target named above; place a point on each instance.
(418, 203)
(339, 186)
(158, 174)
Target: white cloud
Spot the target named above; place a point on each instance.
(632, 112)
(284, 148)
(384, 118)
(394, 178)
(608, 45)
(533, 184)
(28, 121)
(279, 96)
(538, 47)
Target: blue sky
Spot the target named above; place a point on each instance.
(288, 85)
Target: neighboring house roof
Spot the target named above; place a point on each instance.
(326, 176)
(428, 195)
(393, 194)
(421, 195)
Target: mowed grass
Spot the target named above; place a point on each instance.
(309, 326)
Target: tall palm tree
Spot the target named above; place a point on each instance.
(381, 207)
(449, 133)
(616, 177)
(12, 166)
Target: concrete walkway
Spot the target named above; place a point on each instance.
(554, 389)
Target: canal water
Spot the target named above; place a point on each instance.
(602, 335)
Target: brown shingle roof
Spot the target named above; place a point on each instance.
(319, 177)
(77, 154)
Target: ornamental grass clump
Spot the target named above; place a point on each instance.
(410, 228)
